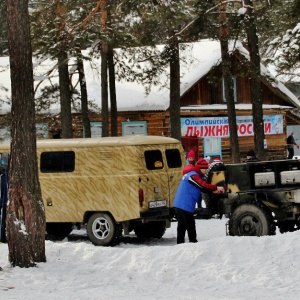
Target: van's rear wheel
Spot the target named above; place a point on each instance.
(58, 231)
(155, 229)
(102, 230)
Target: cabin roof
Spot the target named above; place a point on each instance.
(197, 59)
(223, 107)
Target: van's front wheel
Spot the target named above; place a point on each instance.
(102, 230)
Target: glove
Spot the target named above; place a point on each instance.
(220, 190)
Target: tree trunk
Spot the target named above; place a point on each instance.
(112, 81)
(65, 96)
(228, 86)
(84, 97)
(104, 85)
(112, 89)
(175, 88)
(25, 214)
(255, 82)
(63, 72)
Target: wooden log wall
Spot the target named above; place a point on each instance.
(158, 123)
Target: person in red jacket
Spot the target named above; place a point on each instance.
(187, 195)
(191, 157)
(201, 167)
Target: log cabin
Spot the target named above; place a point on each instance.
(204, 122)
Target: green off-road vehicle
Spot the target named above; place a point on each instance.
(260, 197)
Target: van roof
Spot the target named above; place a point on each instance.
(105, 141)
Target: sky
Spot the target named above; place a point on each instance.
(217, 267)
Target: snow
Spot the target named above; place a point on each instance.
(217, 267)
(223, 107)
(242, 11)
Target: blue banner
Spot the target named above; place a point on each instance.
(219, 126)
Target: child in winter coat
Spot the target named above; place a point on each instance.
(191, 157)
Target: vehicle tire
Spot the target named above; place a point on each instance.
(159, 229)
(210, 199)
(251, 219)
(155, 229)
(215, 167)
(102, 230)
(58, 231)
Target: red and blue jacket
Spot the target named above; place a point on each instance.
(188, 192)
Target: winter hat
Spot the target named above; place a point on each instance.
(250, 153)
(217, 159)
(191, 155)
(207, 158)
(202, 163)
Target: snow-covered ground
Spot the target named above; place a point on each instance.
(217, 267)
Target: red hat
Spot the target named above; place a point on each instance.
(202, 163)
(217, 159)
(191, 154)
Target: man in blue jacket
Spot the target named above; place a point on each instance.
(187, 195)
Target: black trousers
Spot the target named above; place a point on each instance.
(186, 222)
(291, 153)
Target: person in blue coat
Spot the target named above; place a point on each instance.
(187, 195)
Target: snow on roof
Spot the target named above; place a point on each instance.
(223, 107)
(268, 73)
(196, 61)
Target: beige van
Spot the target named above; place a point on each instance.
(112, 185)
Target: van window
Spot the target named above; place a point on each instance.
(173, 158)
(55, 162)
(154, 159)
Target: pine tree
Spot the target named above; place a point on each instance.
(228, 85)
(25, 220)
(255, 80)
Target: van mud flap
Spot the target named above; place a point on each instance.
(153, 213)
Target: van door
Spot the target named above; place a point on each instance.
(175, 160)
(164, 167)
(154, 183)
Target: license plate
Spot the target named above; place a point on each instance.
(154, 204)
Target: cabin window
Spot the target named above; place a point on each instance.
(42, 131)
(5, 135)
(234, 89)
(173, 158)
(57, 162)
(96, 130)
(134, 128)
(153, 159)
